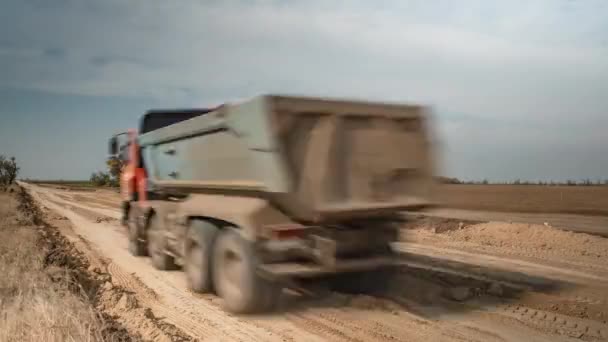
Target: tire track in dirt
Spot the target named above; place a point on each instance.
(321, 328)
(567, 325)
(370, 328)
(375, 319)
(93, 202)
(113, 213)
(97, 199)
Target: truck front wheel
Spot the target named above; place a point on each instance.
(235, 277)
(157, 244)
(136, 246)
(124, 219)
(199, 250)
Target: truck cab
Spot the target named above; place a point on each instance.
(124, 146)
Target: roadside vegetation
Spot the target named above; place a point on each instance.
(37, 300)
(570, 182)
(8, 171)
(42, 296)
(111, 177)
(72, 183)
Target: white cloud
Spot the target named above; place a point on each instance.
(523, 65)
(251, 47)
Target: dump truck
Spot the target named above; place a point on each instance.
(276, 192)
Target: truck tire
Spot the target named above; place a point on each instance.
(124, 219)
(368, 282)
(236, 281)
(136, 246)
(157, 244)
(198, 253)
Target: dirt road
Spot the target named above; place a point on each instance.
(484, 282)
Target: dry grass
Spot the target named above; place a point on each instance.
(585, 200)
(37, 303)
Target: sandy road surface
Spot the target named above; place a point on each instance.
(485, 282)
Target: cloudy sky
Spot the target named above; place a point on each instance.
(519, 89)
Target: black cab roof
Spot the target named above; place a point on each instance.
(159, 118)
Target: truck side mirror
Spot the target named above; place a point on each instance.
(113, 146)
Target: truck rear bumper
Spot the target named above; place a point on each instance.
(311, 270)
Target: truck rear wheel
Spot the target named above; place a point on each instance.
(199, 251)
(136, 246)
(157, 244)
(235, 277)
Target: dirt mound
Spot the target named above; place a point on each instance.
(104, 219)
(116, 301)
(436, 224)
(528, 236)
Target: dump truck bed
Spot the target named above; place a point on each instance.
(317, 159)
